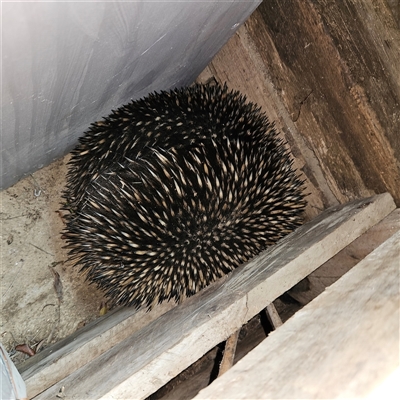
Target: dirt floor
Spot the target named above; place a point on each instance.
(43, 298)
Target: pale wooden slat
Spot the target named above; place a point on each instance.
(66, 356)
(229, 353)
(148, 359)
(341, 345)
(273, 316)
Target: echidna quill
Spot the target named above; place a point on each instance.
(175, 190)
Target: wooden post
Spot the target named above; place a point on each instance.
(229, 353)
(273, 316)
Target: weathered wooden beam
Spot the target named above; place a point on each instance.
(273, 316)
(229, 353)
(334, 66)
(327, 73)
(346, 259)
(148, 359)
(68, 355)
(343, 344)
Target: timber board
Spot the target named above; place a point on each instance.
(343, 344)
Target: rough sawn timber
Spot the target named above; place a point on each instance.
(148, 359)
(343, 344)
(327, 72)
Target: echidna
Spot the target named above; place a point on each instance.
(173, 191)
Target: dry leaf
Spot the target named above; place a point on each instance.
(24, 348)
(40, 345)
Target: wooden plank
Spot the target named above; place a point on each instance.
(273, 316)
(66, 356)
(229, 353)
(343, 344)
(327, 73)
(144, 362)
(346, 259)
(329, 63)
(187, 384)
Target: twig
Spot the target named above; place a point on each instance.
(57, 285)
(44, 251)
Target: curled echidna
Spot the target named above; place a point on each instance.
(173, 191)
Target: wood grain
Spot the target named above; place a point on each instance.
(273, 316)
(66, 356)
(327, 74)
(145, 361)
(346, 259)
(334, 66)
(229, 353)
(343, 344)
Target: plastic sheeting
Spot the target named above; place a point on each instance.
(11, 384)
(67, 64)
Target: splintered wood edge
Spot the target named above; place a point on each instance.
(152, 356)
(343, 344)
